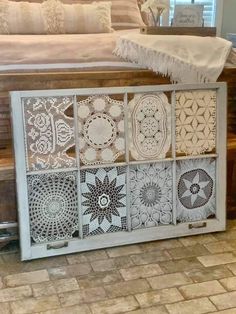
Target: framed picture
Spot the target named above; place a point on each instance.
(188, 15)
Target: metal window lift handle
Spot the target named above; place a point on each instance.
(57, 246)
(197, 225)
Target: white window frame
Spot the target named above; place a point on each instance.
(219, 17)
(31, 251)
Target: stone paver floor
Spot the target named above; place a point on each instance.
(192, 275)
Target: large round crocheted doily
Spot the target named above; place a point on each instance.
(101, 129)
(53, 206)
(151, 195)
(103, 200)
(195, 189)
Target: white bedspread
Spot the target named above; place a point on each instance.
(186, 59)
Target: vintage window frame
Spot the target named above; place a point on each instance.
(29, 251)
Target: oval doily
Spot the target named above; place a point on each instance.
(149, 126)
(53, 206)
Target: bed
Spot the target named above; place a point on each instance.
(30, 62)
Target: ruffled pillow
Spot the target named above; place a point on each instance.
(125, 14)
(54, 17)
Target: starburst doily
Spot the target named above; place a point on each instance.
(149, 126)
(53, 206)
(151, 195)
(103, 200)
(49, 133)
(195, 189)
(101, 129)
(195, 121)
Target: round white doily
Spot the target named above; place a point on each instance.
(195, 189)
(53, 206)
(101, 129)
(151, 195)
(103, 193)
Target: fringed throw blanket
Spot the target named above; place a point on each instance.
(186, 59)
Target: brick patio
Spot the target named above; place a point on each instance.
(192, 275)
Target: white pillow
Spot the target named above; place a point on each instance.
(125, 14)
(54, 17)
(87, 18)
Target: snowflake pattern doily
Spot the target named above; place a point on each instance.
(195, 122)
(101, 130)
(53, 207)
(149, 126)
(49, 133)
(151, 195)
(103, 200)
(195, 189)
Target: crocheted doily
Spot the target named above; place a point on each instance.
(49, 133)
(149, 126)
(103, 200)
(151, 195)
(195, 122)
(195, 189)
(101, 129)
(53, 206)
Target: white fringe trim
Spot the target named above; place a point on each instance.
(177, 70)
